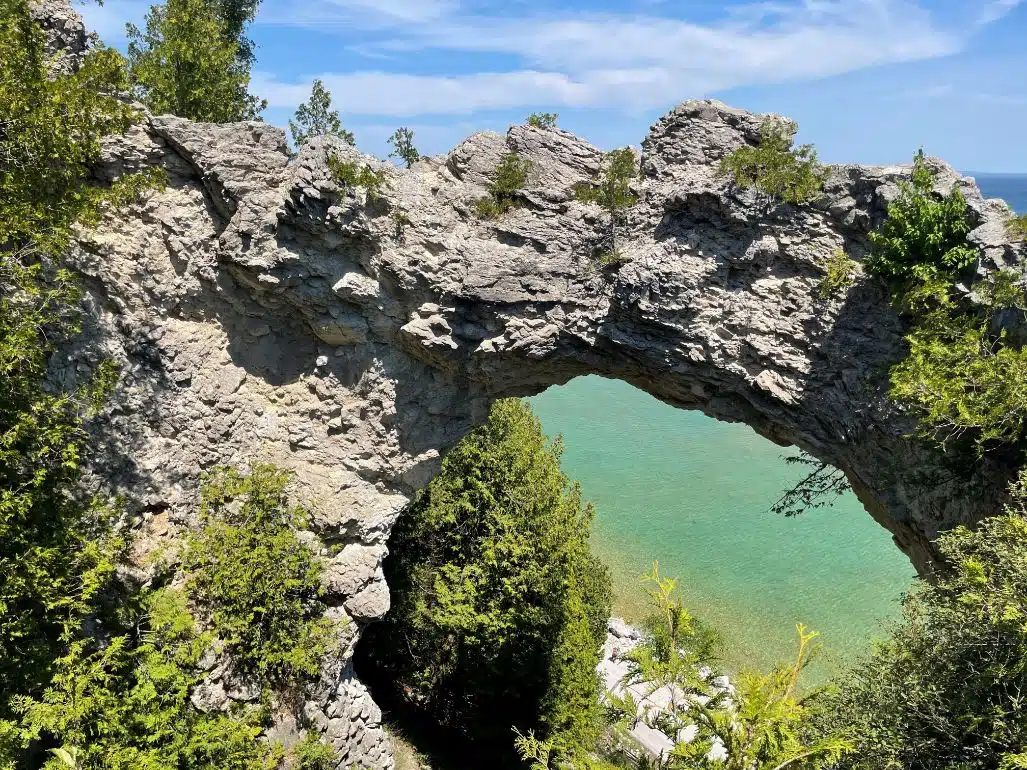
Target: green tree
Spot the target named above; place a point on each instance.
(504, 190)
(317, 118)
(776, 169)
(124, 705)
(186, 64)
(257, 581)
(234, 16)
(947, 688)
(962, 375)
(611, 189)
(544, 120)
(402, 142)
(56, 550)
(496, 600)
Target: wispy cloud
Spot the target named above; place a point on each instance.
(592, 59)
(996, 9)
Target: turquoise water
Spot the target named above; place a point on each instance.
(695, 494)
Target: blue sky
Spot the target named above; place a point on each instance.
(868, 80)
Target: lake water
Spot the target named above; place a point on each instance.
(695, 494)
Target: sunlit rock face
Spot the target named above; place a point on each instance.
(261, 312)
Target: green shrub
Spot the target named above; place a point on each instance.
(1018, 226)
(839, 275)
(964, 379)
(510, 178)
(544, 120)
(946, 689)
(257, 582)
(311, 754)
(776, 169)
(350, 174)
(124, 705)
(499, 609)
(924, 236)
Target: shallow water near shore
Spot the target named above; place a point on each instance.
(695, 494)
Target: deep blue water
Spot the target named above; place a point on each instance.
(1012, 188)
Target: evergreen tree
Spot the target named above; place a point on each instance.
(612, 190)
(947, 688)
(55, 544)
(496, 599)
(402, 142)
(186, 64)
(776, 169)
(317, 118)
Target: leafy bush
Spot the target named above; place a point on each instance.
(946, 690)
(765, 724)
(254, 578)
(124, 705)
(924, 236)
(499, 609)
(776, 169)
(510, 178)
(838, 275)
(311, 754)
(544, 120)
(52, 126)
(350, 174)
(964, 379)
(187, 63)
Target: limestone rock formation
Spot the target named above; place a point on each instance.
(260, 311)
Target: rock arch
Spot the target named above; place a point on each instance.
(260, 311)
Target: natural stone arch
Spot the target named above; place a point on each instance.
(259, 311)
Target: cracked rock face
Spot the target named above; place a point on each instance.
(261, 312)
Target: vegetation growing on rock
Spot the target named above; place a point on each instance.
(351, 174)
(544, 120)
(963, 376)
(257, 582)
(775, 168)
(402, 141)
(838, 275)
(499, 609)
(509, 180)
(611, 189)
(57, 549)
(316, 117)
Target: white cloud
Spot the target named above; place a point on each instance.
(995, 10)
(636, 62)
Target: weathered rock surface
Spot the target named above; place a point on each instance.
(261, 312)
